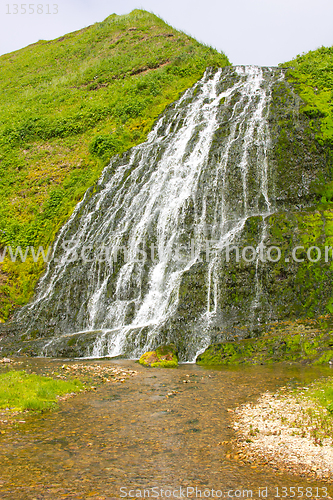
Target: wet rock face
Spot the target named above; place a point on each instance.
(233, 162)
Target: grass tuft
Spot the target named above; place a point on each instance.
(21, 391)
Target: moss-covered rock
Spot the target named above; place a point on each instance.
(164, 357)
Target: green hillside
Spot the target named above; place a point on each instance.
(67, 106)
(312, 76)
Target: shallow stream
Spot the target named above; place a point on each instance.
(133, 436)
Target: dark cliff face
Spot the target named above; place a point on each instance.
(236, 162)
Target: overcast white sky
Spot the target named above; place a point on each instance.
(261, 32)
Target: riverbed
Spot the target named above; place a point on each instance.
(166, 431)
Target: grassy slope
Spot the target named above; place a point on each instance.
(67, 106)
(312, 75)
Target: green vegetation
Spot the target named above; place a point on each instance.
(322, 392)
(312, 76)
(315, 418)
(22, 391)
(306, 341)
(163, 357)
(301, 411)
(67, 106)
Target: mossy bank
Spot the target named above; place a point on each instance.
(302, 341)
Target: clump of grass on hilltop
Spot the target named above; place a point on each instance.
(68, 105)
(22, 391)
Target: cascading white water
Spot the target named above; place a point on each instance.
(253, 126)
(187, 183)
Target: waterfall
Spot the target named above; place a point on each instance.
(118, 264)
